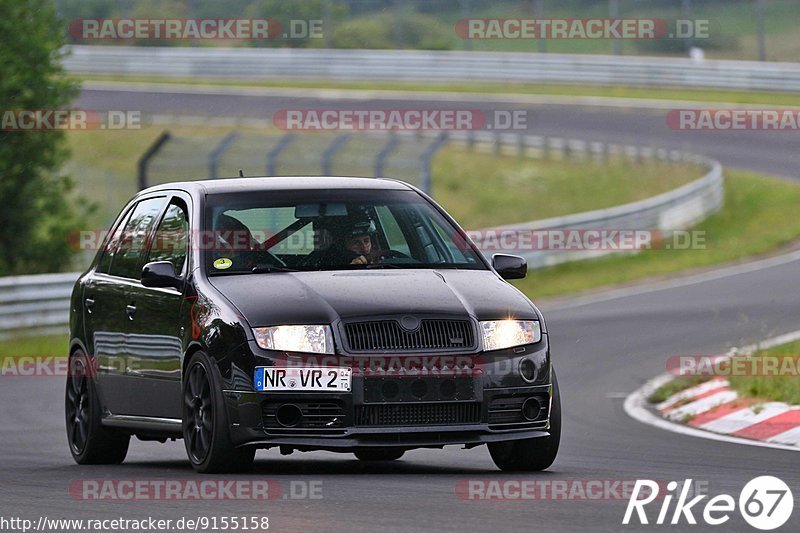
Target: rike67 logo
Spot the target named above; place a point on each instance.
(765, 503)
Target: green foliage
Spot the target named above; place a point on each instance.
(36, 215)
(379, 31)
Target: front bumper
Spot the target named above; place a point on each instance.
(487, 406)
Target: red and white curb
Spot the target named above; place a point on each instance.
(713, 406)
(714, 411)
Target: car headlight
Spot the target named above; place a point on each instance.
(310, 339)
(500, 334)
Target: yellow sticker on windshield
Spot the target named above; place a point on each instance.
(222, 263)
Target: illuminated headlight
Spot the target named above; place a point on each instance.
(310, 339)
(500, 334)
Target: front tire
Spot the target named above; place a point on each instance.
(89, 442)
(206, 433)
(379, 454)
(531, 454)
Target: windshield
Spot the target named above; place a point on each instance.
(312, 230)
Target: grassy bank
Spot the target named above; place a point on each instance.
(754, 220)
(777, 388)
(33, 346)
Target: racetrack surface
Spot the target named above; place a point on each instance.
(602, 351)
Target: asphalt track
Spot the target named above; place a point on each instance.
(602, 350)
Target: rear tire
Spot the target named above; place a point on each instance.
(206, 433)
(89, 442)
(531, 454)
(379, 454)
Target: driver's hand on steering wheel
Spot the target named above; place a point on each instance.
(360, 260)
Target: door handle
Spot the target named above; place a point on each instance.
(89, 304)
(131, 310)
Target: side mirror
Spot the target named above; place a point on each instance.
(161, 274)
(510, 266)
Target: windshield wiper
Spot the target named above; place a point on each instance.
(266, 269)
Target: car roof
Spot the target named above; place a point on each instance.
(280, 183)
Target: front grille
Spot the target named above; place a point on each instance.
(419, 414)
(507, 411)
(388, 335)
(319, 416)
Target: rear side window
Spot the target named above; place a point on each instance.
(171, 239)
(127, 256)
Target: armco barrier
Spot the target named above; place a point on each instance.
(35, 303)
(429, 66)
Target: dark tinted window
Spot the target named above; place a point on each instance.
(112, 245)
(331, 230)
(170, 241)
(133, 241)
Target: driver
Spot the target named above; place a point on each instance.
(353, 240)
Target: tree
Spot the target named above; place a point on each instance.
(36, 216)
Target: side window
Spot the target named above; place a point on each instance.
(133, 240)
(112, 245)
(171, 239)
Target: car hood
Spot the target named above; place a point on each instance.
(324, 297)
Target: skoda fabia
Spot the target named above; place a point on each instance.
(342, 314)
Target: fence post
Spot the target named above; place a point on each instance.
(144, 160)
(272, 156)
(425, 160)
(383, 155)
(216, 154)
(330, 151)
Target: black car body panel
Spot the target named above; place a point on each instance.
(141, 338)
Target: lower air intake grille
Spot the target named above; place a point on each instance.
(418, 414)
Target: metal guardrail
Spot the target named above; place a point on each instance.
(432, 66)
(35, 303)
(40, 304)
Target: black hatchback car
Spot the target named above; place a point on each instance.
(343, 314)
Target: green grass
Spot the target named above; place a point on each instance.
(482, 191)
(662, 93)
(754, 220)
(34, 346)
(778, 388)
(675, 386)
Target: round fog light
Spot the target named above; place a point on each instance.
(530, 409)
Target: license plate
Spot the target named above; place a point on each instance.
(322, 379)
